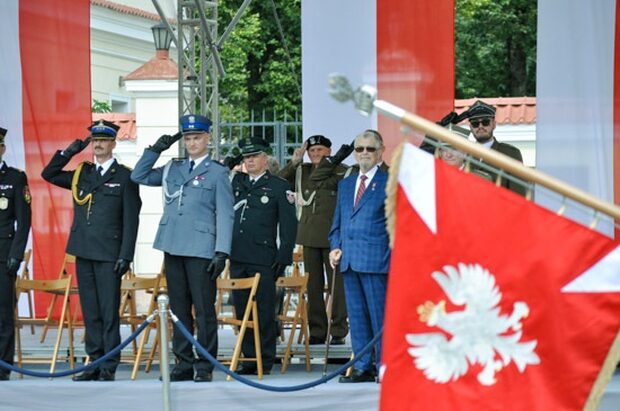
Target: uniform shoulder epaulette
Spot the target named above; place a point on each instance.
(278, 178)
(218, 164)
(177, 159)
(127, 167)
(87, 163)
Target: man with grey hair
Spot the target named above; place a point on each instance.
(359, 245)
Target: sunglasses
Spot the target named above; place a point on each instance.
(475, 123)
(362, 148)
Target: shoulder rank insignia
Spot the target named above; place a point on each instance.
(27, 196)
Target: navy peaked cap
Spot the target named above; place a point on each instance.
(195, 123)
(103, 129)
(253, 145)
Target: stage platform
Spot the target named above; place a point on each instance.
(146, 391)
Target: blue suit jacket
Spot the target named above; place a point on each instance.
(361, 232)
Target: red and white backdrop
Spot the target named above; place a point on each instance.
(404, 48)
(578, 96)
(45, 104)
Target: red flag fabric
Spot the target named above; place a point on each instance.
(493, 302)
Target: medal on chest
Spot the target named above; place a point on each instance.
(264, 199)
(4, 203)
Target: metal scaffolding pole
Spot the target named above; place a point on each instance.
(200, 66)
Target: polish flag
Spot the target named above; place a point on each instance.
(45, 100)
(578, 99)
(493, 301)
(403, 48)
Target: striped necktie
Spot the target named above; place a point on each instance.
(360, 190)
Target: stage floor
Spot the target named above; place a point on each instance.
(146, 391)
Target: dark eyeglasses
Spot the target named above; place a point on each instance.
(362, 148)
(475, 123)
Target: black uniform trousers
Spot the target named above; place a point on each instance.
(99, 288)
(7, 316)
(315, 260)
(265, 301)
(189, 284)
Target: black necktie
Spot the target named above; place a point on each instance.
(191, 165)
(99, 170)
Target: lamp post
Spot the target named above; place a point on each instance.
(161, 36)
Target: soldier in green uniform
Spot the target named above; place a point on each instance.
(315, 185)
(15, 217)
(482, 123)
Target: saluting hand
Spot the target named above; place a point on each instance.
(164, 142)
(298, 154)
(76, 147)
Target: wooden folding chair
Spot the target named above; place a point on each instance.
(58, 288)
(65, 272)
(251, 284)
(299, 319)
(131, 287)
(25, 275)
(154, 326)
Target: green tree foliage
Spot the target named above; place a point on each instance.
(259, 73)
(101, 106)
(495, 48)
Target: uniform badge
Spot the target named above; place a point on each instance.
(4, 203)
(195, 182)
(290, 196)
(264, 199)
(27, 196)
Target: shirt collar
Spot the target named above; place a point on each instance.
(370, 174)
(106, 165)
(199, 160)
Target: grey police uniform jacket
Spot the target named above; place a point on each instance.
(198, 211)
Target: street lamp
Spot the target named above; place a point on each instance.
(161, 36)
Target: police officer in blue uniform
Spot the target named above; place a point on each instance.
(106, 209)
(264, 207)
(195, 234)
(15, 219)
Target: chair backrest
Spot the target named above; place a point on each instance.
(59, 286)
(239, 284)
(297, 284)
(25, 274)
(137, 283)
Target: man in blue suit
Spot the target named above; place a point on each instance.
(359, 243)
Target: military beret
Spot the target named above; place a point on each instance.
(103, 129)
(253, 145)
(2, 134)
(195, 123)
(480, 109)
(319, 140)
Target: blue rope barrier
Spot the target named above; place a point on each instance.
(90, 366)
(266, 387)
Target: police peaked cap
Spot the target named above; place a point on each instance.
(195, 123)
(103, 129)
(319, 140)
(480, 109)
(253, 145)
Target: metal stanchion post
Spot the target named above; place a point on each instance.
(162, 304)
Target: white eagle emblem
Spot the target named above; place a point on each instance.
(480, 334)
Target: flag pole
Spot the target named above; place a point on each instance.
(365, 100)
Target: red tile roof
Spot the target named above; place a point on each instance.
(121, 8)
(510, 110)
(126, 122)
(160, 67)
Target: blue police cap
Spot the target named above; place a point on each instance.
(253, 145)
(104, 130)
(194, 123)
(319, 140)
(480, 109)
